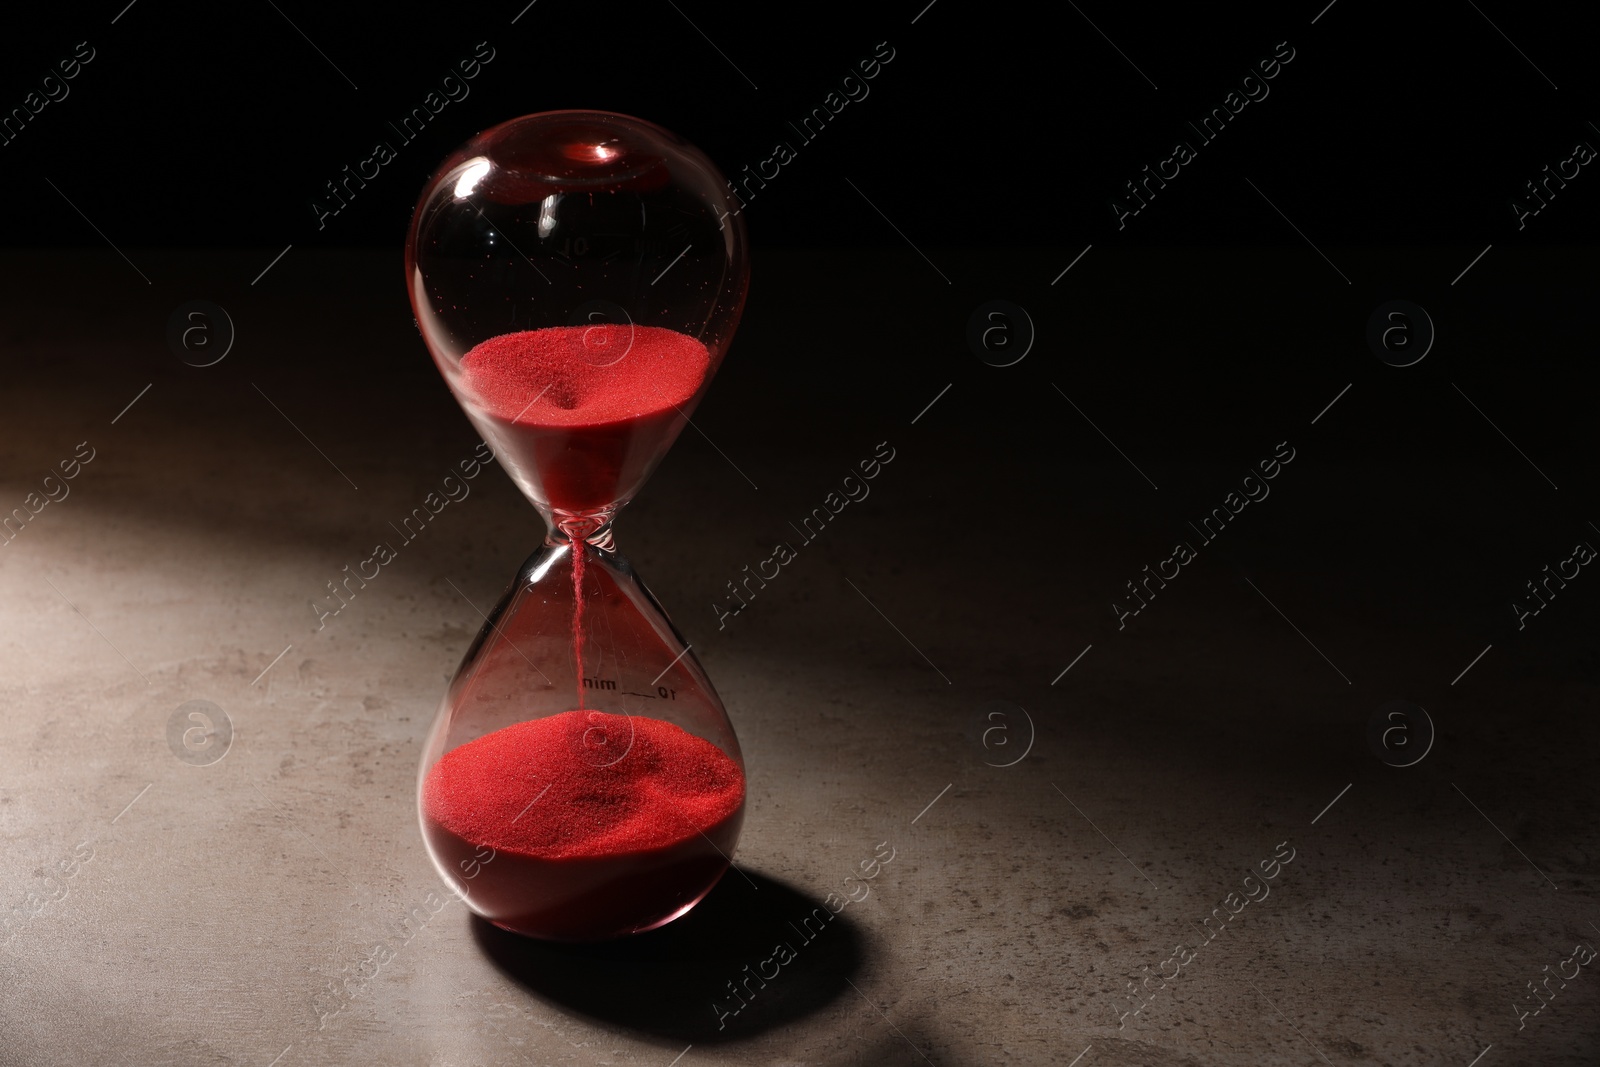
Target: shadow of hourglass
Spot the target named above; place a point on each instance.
(754, 955)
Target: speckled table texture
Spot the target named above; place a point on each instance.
(1165, 843)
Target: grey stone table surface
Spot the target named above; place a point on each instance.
(1072, 808)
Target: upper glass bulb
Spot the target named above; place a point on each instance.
(577, 276)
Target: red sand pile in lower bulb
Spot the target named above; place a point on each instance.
(600, 825)
(583, 411)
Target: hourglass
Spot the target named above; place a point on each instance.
(577, 276)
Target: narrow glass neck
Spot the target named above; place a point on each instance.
(593, 527)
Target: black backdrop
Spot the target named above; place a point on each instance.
(1382, 164)
(995, 124)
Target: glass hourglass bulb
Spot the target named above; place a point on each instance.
(577, 277)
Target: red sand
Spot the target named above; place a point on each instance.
(601, 824)
(586, 434)
(580, 549)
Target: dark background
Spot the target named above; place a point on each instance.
(1395, 141)
(996, 124)
(1207, 329)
